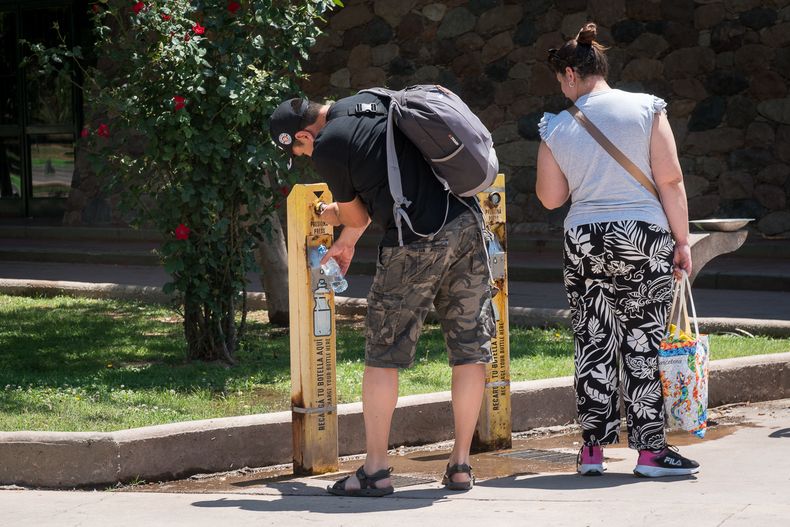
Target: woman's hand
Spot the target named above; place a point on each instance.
(682, 259)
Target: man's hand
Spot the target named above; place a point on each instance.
(329, 213)
(342, 252)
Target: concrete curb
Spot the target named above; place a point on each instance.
(66, 460)
(519, 316)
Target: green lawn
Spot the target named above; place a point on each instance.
(76, 365)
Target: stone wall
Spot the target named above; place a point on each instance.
(723, 66)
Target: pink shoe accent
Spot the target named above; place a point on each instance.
(648, 458)
(591, 455)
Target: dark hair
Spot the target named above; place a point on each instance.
(310, 114)
(583, 53)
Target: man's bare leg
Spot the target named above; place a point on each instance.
(468, 386)
(379, 397)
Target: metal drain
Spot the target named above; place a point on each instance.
(398, 480)
(552, 456)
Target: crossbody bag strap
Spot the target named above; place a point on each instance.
(613, 151)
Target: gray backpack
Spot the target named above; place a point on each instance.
(457, 146)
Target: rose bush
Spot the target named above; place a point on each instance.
(178, 95)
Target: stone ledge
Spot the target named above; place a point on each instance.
(67, 460)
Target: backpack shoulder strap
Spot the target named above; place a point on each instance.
(613, 151)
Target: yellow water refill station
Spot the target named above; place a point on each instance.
(494, 427)
(312, 332)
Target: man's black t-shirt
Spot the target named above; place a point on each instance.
(350, 154)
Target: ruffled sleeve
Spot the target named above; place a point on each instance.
(659, 105)
(543, 125)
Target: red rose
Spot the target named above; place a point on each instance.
(186, 37)
(85, 132)
(198, 29)
(165, 17)
(233, 6)
(103, 130)
(179, 102)
(182, 232)
(284, 190)
(96, 8)
(139, 6)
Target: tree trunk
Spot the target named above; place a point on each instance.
(273, 258)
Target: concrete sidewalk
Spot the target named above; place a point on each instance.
(744, 481)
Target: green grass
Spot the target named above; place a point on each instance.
(77, 365)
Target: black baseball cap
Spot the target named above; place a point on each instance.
(285, 122)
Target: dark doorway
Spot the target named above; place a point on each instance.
(38, 115)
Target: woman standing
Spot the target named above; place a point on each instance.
(620, 248)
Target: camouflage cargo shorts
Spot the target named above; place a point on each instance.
(450, 272)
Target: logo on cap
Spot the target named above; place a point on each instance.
(284, 139)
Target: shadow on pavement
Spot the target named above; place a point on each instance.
(575, 482)
(296, 496)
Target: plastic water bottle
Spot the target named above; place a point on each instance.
(332, 271)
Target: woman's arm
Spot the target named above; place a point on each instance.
(668, 176)
(552, 186)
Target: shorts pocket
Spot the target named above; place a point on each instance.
(423, 258)
(383, 318)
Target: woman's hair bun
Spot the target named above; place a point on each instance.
(587, 34)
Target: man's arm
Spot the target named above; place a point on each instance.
(352, 214)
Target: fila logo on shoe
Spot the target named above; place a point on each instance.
(671, 461)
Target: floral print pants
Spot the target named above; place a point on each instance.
(618, 277)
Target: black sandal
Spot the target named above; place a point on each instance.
(366, 482)
(448, 482)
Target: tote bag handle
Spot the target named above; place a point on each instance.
(681, 290)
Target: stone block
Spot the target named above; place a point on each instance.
(571, 24)
(393, 12)
(775, 223)
(738, 6)
(498, 19)
(707, 16)
(782, 143)
(359, 58)
(627, 31)
(426, 75)
(341, 78)
(550, 22)
(526, 33)
(434, 12)
(457, 22)
(771, 197)
(510, 90)
(690, 89)
(689, 62)
(606, 12)
(760, 134)
(752, 58)
(768, 84)
(718, 141)
(477, 92)
(677, 10)
(776, 175)
(470, 42)
(350, 16)
(647, 10)
(468, 65)
(741, 111)
(736, 185)
(707, 114)
(368, 77)
(727, 36)
(492, 116)
(543, 81)
(681, 107)
(648, 45)
(518, 153)
(497, 47)
(641, 69)
(726, 82)
(695, 185)
(777, 110)
(410, 28)
(520, 71)
(505, 133)
(701, 207)
(383, 54)
(777, 36)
